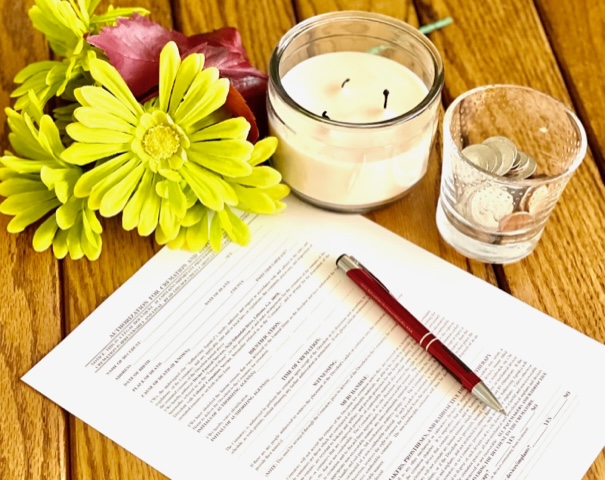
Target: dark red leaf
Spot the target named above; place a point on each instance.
(236, 103)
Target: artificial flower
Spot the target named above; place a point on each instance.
(66, 24)
(133, 47)
(175, 165)
(37, 182)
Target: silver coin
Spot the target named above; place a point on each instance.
(480, 155)
(535, 199)
(507, 150)
(489, 204)
(525, 168)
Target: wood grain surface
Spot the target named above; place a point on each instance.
(510, 41)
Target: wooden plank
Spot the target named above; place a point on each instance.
(87, 284)
(575, 31)
(33, 430)
(504, 42)
(413, 216)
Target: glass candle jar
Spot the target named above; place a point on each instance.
(354, 100)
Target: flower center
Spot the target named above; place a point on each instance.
(161, 142)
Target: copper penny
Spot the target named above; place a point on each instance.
(516, 221)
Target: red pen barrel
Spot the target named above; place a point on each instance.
(380, 294)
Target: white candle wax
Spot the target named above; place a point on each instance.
(346, 166)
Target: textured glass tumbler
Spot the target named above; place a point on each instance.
(508, 152)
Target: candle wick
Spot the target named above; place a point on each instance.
(386, 97)
(325, 114)
(343, 83)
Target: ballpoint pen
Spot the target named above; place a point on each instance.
(381, 295)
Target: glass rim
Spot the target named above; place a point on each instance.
(579, 157)
(325, 18)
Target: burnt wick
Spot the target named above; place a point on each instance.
(344, 83)
(386, 98)
(325, 114)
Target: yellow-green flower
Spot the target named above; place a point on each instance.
(65, 24)
(37, 183)
(175, 165)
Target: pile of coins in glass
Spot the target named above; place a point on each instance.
(488, 203)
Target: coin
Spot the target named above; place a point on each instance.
(480, 155)
(515, 221)
(507, 150)
(525, 168)
(489, 204)
(535, 199)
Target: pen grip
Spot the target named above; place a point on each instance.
(379, 293)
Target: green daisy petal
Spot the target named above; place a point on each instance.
(211, 190)
(226, 157)
(150, 214)
(92, 221)
(239, 231)
(169, 66)
(215, 236)
(115, 199)
(188, 69)
(235, 128)
(197, 235)
(260, 177)
(91, 178)
(25, 166)
(17, 185)
(214, 97)
(74, 241)
(95, 117)
(109, 77)
(101, 99)
(132, 210)
(179, 241)
(33, 69)
(85, 153)
(20, 202)
(68, 213)
(263, 149)
(168, 220)
(45, 234)
(194, 215)
(100, 189)
(81, 133)
(254, 200)
(60, 244)
(30, 215)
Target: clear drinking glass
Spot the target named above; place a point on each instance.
(508, 152)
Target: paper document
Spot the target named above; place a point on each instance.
(269, 362)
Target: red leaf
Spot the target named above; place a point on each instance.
(133, 47)
(236, 103)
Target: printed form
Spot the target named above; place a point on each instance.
(268, 362)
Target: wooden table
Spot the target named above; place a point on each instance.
(550, 45)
